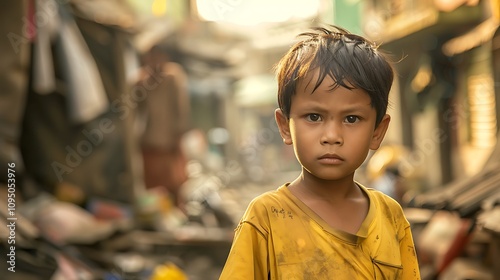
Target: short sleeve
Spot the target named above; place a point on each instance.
(409, 256)
(248, 257)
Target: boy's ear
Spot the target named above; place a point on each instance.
(379, 133)
(283, 125)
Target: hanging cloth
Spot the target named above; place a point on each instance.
(58, 37)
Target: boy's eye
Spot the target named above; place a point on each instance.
(351, 119)
(313, 117)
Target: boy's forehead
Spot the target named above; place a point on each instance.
(308, 82)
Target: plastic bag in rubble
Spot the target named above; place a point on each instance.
(66, 223)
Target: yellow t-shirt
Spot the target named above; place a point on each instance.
(279, 237)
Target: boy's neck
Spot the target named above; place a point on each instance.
(313, 187)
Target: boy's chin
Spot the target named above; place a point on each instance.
(330, 176)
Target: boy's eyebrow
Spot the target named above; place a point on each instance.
(355, 109)
(320, 107)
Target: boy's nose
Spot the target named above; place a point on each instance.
(332, 135)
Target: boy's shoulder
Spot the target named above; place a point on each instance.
(381, 198)
(263, 207)
(267, 203)
(373, 192)
(269, 197)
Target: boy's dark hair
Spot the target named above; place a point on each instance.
(350, 60)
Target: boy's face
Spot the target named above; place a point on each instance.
(331, 130)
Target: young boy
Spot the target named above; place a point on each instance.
(333, 89)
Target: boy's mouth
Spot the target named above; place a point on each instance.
(331, 158)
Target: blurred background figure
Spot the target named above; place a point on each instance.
(167, 118)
